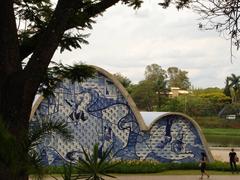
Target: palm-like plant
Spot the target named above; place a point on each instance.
(93, 166)
(232, 87)
(11, 153)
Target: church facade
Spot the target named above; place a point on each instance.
(100, 111)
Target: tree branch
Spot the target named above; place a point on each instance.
(8, 39)
(28, 46)
(49, 39)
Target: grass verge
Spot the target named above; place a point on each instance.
(227, 137)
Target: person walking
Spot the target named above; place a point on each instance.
(233, 159)
(203, 163)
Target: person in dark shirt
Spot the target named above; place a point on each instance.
(203, 162)
(232, 160)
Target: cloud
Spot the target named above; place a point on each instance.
(126, 41)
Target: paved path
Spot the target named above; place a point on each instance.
(175, 177)
(168, 177)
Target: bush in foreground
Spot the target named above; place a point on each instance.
(138, 167)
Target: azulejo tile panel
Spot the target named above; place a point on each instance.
(97, 112)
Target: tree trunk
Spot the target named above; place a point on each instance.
(18, 86)
(16, 103)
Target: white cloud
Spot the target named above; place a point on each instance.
(126, 41)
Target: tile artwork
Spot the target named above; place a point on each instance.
(97, 112)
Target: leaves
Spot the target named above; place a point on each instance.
(94, 166)
(232, 87)
(56, 73)
(70, 41)
(33, 14)
(221, 16)
(125, 81)
(17, 157)
(44, 127)
(178, 3)
(178, 78)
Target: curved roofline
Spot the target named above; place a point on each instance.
(35, 106)
(195, 124)
(129, 99)
(123, 91)
(136, 112)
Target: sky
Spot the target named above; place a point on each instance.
(125, 41)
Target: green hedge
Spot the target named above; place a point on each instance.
(136, 167)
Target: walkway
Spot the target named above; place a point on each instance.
(167, 177)
(175, 177)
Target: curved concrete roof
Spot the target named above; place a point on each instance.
(150, 118)
(123, 91)
(144, 119)
(126, 95)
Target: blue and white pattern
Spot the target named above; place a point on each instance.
(97, 112)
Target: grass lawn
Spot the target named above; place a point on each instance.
(222, 136)
(192, 172)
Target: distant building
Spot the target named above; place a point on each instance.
(176, 91)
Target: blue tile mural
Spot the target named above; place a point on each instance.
(97, 112)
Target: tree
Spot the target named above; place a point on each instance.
(178, 78)
(220, 15)
(26, 50)
(13, 157)
(144, 95)
(157, 76)
(232, 87)
(216, 98)
(125, 81)
(154, 72)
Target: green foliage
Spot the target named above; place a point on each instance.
(140, 167)
(178, 3)
(154, 72)
(215, 98)
(136, 166)
(173, 105)
(155, 167)
(56, 73)
(149, 93)
(71, 41)
(94, 165)
(36, 15)
(133, 3)
(202, 102)
(178, 78)
(191, 105)
(228, 109)
(207, 90)
(148, 166)
(152, 93)
(12, 153)
(126, 82)
(67, 171)
(44, 127)
(144, 95)
(219, 166)
(232, 87)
